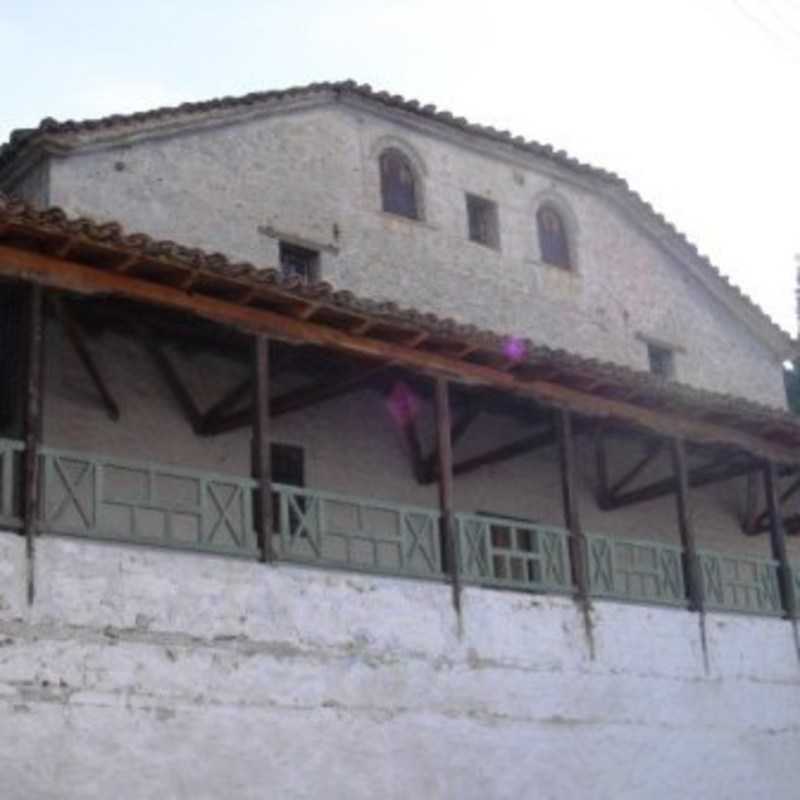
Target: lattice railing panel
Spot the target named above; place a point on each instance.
(519, 555)
(357, 533)
(639, 571)
(732, 583)
(104, 498)
(10, 463)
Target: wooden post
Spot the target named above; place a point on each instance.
(445, 482)
(577, 539)
(601, 462)
(262, 462)
(33, 426)
(777, 538)
(691, 563)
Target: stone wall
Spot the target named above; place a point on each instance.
(311, 177)
(141, 673)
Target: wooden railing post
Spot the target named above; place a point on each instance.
(691, 562)
(445, 483)
(33, 426)
(569, 493)
(777, 538)
(262, 462)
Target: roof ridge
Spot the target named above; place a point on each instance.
(20, 139)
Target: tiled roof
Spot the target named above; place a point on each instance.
(21, 140)
(213, 273)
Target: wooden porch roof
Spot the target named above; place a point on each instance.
(82, 256)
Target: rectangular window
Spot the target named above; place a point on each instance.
(288, 465)
(482, 221)
(662, 361)
(299, 262)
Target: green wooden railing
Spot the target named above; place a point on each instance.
(520, 555)
(638, 571)
(10, 457)
(735, 583)
(128, 501)
(356, 533)
(109, 498)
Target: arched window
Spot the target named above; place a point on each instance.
(398, 186)
(553, 243)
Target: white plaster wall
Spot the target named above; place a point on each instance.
(147, 674)
(312, 175)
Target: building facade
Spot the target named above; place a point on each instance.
(526, 509)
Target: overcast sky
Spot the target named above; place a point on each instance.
(694, 102)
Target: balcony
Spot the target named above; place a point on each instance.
(134, 502)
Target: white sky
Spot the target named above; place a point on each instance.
(694, 102)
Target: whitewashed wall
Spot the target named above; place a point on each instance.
(146, 674)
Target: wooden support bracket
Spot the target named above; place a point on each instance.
(174, 381)
(76, 337)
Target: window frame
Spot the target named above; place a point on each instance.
(661, 354)
(415, 190)
(566, 245)
(478, 203)
(314, 264)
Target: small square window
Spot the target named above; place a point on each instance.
(662, 361)
(482, 220)
(299, 262)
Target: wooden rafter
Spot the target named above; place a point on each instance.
(229, 400)
(76, 337)
(298, 399)
(77, 277)
(542, 438)
(722, 469)
(174, 381)
(653, 450)
(763, 521)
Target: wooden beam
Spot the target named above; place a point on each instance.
(76, 337)
(701, 476)
(445, 458)
(33, 428)
(762, 521)
(652, 452)
(503, 453)
(231, 398)
(298, 399)
(691, 563)
(75, 277)
(777, 539)
(174, 381)
(262, 462)
(569, 494)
